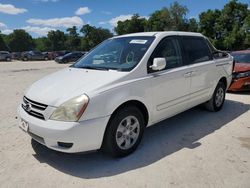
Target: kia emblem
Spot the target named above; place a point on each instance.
(28, 107)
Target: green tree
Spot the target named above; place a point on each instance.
(41, 44)
(233, 14)
(232, 19)
(92, 36)
(178, 16)
(20, 41)
(246, 29)
(3, 45)
(159, 20)
(73, 40)
(227, 28)
(56, 40)
(192, 25)
(208, 22)
(133, 25)
(166, 19)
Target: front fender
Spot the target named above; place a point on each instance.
(106, 102)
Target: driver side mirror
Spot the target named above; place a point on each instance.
(158, 64)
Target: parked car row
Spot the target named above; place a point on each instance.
(34, 55)
(55, 54)
(60, 56)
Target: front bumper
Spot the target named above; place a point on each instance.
(241, 84)
(85, 136)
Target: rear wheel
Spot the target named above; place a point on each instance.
(216, 102)
(46, 58)
(8, 59)
(124, 132)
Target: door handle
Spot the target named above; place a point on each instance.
(187, 74)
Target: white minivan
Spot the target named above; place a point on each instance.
(127, 83)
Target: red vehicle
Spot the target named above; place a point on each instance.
(241, 73)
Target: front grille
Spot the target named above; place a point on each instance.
(34, 104)
(245, 87)
(34, 108)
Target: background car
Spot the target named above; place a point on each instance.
(241, 73)
(59, 53)
(16, 55)
(5, 56)
(49, 55)
(34, 55)
(52, 55)
(70, 57)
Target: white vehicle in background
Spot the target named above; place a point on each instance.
(127, 83)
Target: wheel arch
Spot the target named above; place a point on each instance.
(140, 105)
(224, 81)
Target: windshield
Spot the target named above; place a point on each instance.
(241, 57)
(121, 54)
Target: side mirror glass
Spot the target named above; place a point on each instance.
(158, 64)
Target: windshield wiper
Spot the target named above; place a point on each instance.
(94, 68)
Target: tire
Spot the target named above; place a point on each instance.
(8, 59)
(46, 59)
(121, 139)
(25, 59)
(216, 102)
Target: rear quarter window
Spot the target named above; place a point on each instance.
(196, 49)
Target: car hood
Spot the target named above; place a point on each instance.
(242, 67)
(57, 88)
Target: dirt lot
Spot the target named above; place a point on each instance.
(194, 149)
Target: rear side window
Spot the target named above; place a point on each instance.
(196, 49)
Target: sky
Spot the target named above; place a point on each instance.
(40, 16)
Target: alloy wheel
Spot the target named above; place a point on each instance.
(127, 132)
(219, 97)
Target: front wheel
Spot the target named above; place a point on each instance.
(216, 102)
(124, 132)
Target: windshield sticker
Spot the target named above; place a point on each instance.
(138, 41)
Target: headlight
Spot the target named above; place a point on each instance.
(243, 74)
(71, 110)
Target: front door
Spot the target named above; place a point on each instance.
(171, 86)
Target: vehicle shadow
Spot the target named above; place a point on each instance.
(239, 92)
(167, 137)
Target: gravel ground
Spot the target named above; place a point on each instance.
(194, 149)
